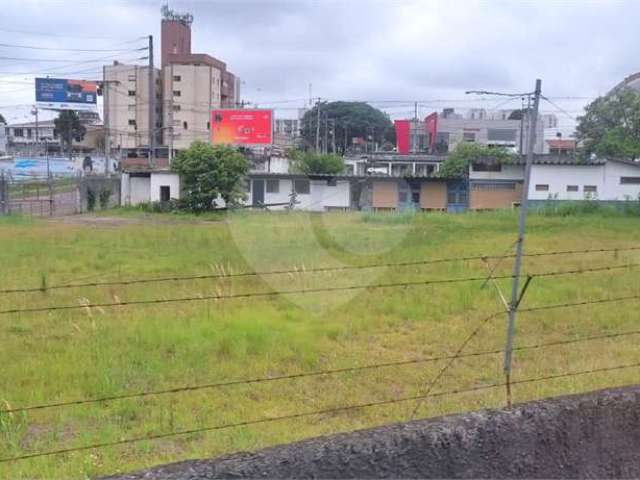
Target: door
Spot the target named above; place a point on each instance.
(165, 193)
(257, 192)
(457, 197)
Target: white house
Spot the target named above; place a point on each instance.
(605, 180)
(313, 192)
(553, 177)
(138, 187)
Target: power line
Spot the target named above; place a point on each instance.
(310, 290)
(60, 49)
(48, 34)
(293, 416)
(310, 270)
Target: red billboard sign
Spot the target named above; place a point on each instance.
(402, 136)
(431, 122)
(241, 127)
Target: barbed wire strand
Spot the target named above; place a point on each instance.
(293, 416)
(305, 291)
(206, 386)
(304, 270)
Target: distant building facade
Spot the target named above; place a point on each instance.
(187, 87)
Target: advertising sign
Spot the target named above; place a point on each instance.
(431, 122)
(402, 136)
(65, 94)
(241, 127)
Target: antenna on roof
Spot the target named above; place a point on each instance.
(170, 15)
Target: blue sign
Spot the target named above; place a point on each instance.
(66, 94)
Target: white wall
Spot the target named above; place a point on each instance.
(559, 176)
(284, 189)
(159, 179)
(139, 190)
(508, 172)
(613, 190)
(320, 195)
(605, 177)
(279, 165)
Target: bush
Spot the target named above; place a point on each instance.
(91, 200)
(105, 195)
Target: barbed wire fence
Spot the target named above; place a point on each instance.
(425, 391)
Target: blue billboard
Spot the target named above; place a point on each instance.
(66, 94)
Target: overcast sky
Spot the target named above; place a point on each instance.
(383, 51)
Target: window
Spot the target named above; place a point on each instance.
(572, 188)
(501, 135)
(486, 167)
(18, 132)
(208, 125)
(132, 93)
(629, 180)
(28, 133)
(177, 93)
(273, 185)
(176, 108)
(590, 189)
(165, 193)
(542, 188)
(301, 186)
(132, 122)
(469, 136)
(403, 196)
(494, 186)
(185, 125)
(177, 78)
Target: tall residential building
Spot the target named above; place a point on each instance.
(126, 105)
(192, 86)
(187, 87)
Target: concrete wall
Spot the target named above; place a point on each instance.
(98, 184)
(592, 435)
(433, 195)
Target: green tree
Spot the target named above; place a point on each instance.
(69, 129)
(312, 162)
(207, 172)
(346, 120)
(457, 163)
(610, 126)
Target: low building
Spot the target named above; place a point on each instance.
(553, 177)
(145, 186)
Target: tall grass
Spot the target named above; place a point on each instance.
(87, 353)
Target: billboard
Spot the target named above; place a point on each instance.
(241, 127)
(402, 136)
(431, 122)
(65, 94)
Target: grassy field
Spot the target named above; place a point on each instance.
(93, 352)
